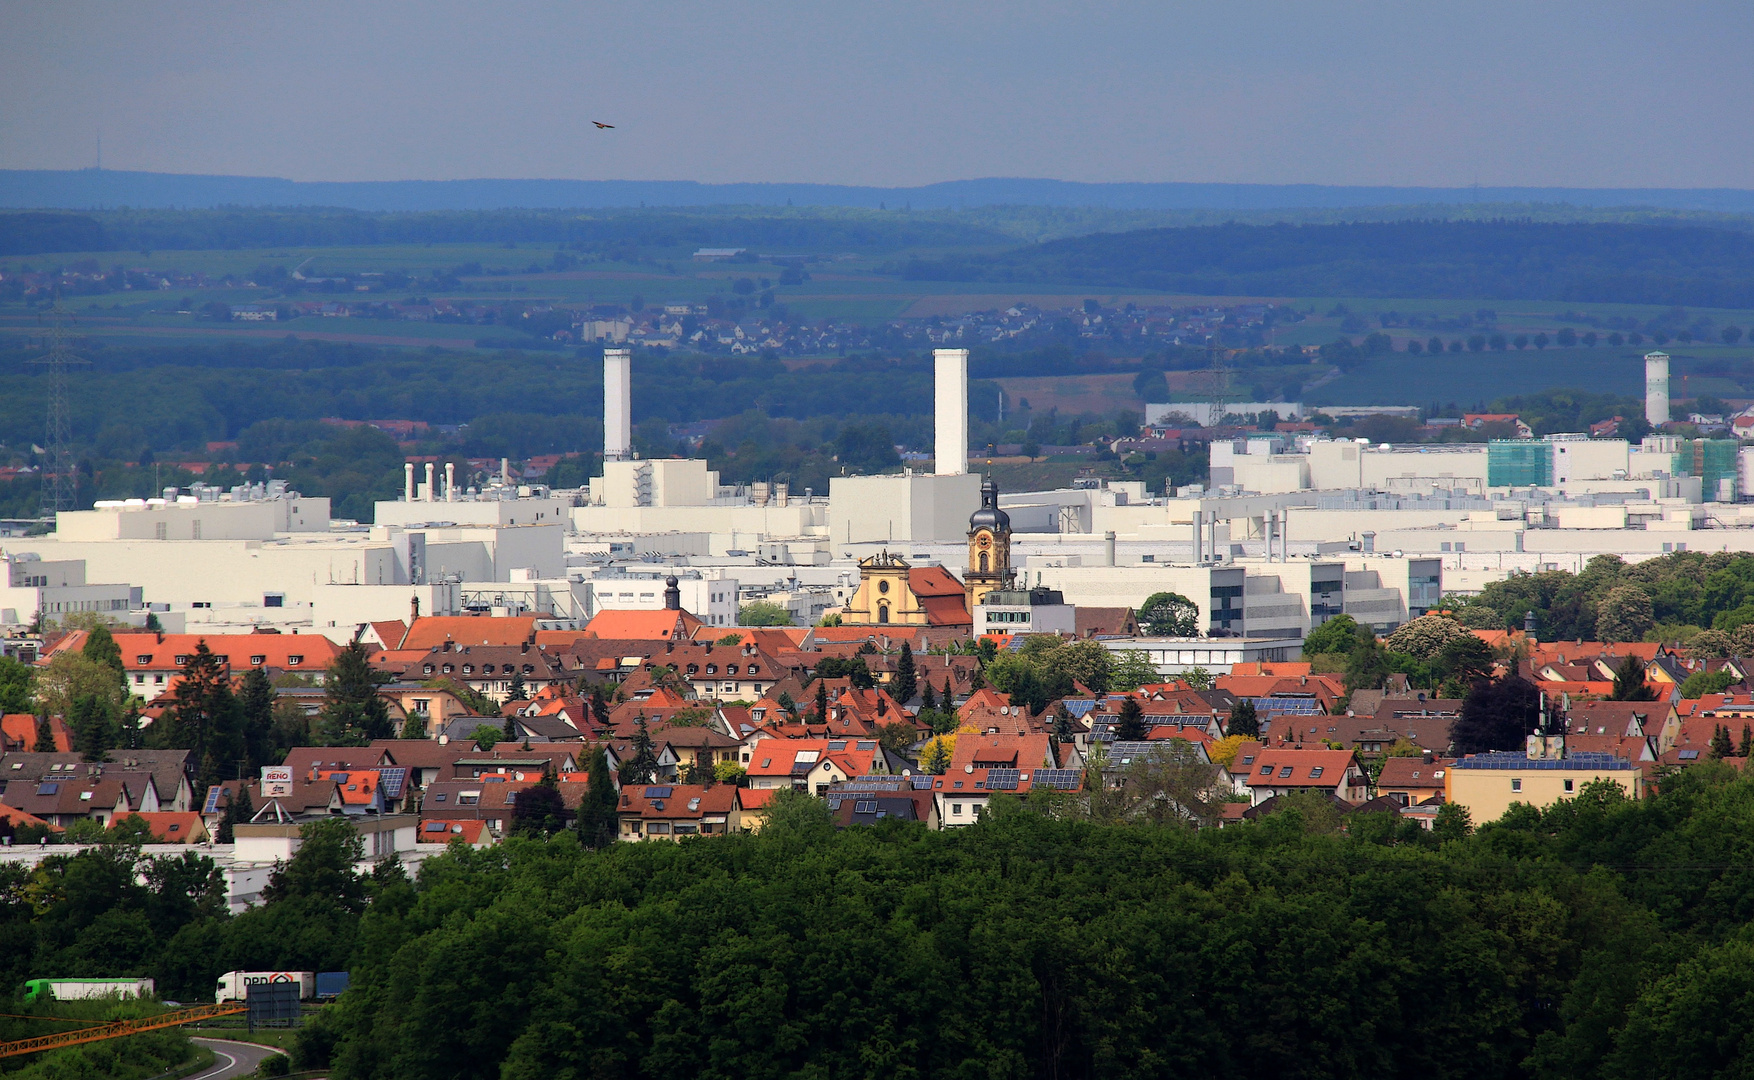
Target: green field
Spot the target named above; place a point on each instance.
(859, 288)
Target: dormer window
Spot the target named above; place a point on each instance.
(258, 660)
(182, 660)
(712, 669)
(143, 659)
(487, 669)
(468, 669)
(295, 660)
(427, 669)
(528, 669)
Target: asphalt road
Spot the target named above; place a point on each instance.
(232, 1059)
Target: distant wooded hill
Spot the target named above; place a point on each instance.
(80, 189)
(1581, 263)
(766, 229)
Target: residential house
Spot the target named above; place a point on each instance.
(151, 663)
(172, 771)
(1416, 779)
(1487, 784)
(673, 811)
(1287, 771)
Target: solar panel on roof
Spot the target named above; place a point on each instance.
(838, 744)
(1062, 779)
(865, 806)
(657, 793)
(867, 744)
(212, 804)
(48, 789)
(1002, 779)
(922, 782)
(390, 781)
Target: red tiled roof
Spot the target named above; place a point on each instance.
(299, 652)
(429, 631)
(171, 827)
(434, 831)
(661, 624)
(1271, 763)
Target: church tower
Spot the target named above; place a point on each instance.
(989, 547)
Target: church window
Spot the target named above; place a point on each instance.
(883, 586)
(882, 613)
(983, 562)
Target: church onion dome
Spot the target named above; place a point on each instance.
(989, 516)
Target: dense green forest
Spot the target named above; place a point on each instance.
(1580, 263)
(1600, 938)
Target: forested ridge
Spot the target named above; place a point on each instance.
(32, 232)
(1600, 938)
(1579, 263)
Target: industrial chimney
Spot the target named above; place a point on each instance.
(408, 481)
(950, 454)
(617, 404)
(1656, 388)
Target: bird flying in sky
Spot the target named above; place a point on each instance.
(600, 124)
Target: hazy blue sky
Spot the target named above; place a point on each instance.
(1549, 92)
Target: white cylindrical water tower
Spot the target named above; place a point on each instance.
(1656, 388)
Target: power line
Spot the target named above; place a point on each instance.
(60, 475)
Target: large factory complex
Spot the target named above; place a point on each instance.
(1288, 531)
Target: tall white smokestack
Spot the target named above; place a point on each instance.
(617, 404)
(431, 491)
(450, 481)
(1656, 388)
(950, 396)
(408, 481)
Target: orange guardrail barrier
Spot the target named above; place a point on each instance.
(115, 1029)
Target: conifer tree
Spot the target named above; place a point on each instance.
(1130, 725)
(45, 736)
(1720, 741)
(1244, 720)
(928, 700)
(353, 713)
(904, 684)
(599, 706)
(515, 691)
(1747, 741)
(597, 821)
(821, 701)
(642, 768)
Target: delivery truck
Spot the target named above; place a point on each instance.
(82, 989)
(234, 985)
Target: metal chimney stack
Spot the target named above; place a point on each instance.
(408, 481)
(950, 397)
(431, 490)
(1656, 388)
(617, 404)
